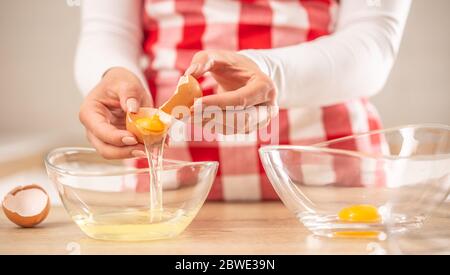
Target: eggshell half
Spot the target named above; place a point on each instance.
(188, 90)
(26, 206)
(147, 112)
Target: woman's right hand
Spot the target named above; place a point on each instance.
(104, 110)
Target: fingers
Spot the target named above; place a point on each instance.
(120, 83)
(255, 92)
(132, 96)
(200, 64)
(237, 121)
(112, 152)
(94, 116)
(244, 84)
(207, 61)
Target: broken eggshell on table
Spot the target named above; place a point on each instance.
(26, 206)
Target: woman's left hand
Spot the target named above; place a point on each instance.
(241, 84)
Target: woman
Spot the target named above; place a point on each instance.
(318, 60)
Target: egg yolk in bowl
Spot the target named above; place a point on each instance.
(359, 213)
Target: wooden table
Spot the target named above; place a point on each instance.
(219, 228)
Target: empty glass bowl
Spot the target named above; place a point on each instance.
(110, 199)
(365, 185)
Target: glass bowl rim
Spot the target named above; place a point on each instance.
(174, 164)
(319, 147)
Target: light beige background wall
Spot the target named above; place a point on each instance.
(38, 97)
(419, 87)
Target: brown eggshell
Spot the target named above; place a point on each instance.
(187, 91)
(27, 221)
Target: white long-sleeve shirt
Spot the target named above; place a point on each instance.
(354, 61)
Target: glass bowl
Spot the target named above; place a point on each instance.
(110, 199)
(433, 238)
(365, 185)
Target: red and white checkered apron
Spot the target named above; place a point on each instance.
(176, 29)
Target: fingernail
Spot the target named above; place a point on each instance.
(132, 105)
(138, 153)
(129, 141)
(191, 69)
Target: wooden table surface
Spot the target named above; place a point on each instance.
(219, 228)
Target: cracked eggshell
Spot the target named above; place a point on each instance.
(188, 89)
(146, 112)
(26, 206)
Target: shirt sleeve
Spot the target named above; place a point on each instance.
(111, 35)
(353, 62)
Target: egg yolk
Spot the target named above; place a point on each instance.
(151, 124)
(359, 213)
